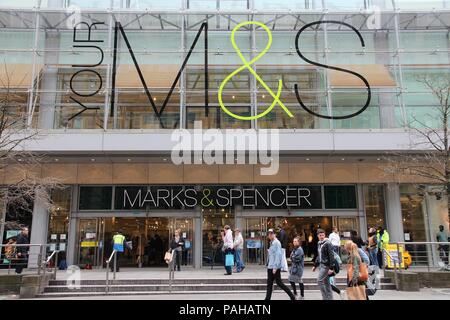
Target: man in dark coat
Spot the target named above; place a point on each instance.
(22, 251)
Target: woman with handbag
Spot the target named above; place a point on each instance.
(357, 274)
(296, 271)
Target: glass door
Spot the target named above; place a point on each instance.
(346, 225)
(213, 222)
(255, 241)
(90, 243)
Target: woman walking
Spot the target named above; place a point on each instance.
(296, 271)
(355, 279)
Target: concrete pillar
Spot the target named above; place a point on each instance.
(72, 236)
(198, 240)
(361, 212)
(39, 229)
(394, 213)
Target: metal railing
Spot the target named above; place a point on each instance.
(55, 254)
(34, 256)
(429, 255)
(396, 265)
(112, 256)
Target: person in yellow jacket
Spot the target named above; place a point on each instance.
(118, 244)
(382, 242)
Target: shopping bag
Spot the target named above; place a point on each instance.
(356, 293)
(229, 260)
(284, 267)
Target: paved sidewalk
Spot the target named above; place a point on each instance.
(424, 294)
(254, 272)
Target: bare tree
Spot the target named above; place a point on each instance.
(429, 158)
(14, 159)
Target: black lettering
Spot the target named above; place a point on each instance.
(369, 93)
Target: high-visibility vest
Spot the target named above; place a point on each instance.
(383, 240)
(118, 240)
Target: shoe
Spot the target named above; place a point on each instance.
(227, 274)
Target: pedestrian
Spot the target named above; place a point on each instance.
(227, 247)
(274, 265)
(284, 244)
(238, 245)
(22, 250)
(297, 267)
(372, 246)
(382, 242)
(335, 240)
(119, 244)
(10, 251)
(356, 239)
(354, 277)
(326, 263)
(442, 236)
(176, 244)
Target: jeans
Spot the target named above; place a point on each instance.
(373, 257)
(336, 249)
(277, 278)
(177, 262)
(323, 280)
(238, 258)
(111, 264)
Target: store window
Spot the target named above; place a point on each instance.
(374, 205)
(95, 198)
(340, 197)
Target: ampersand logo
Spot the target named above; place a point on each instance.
(247, 65)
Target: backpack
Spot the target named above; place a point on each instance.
(337, 265)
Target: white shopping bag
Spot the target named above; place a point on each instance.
(285, 265)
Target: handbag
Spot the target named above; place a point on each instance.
(363, 272)
(356, 293)
(229, 260)
(168, 257)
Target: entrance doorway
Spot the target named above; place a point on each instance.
(213, 222)
(257, 243)
(147, 240)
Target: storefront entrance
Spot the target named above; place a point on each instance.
(147, 240)
(256, 242)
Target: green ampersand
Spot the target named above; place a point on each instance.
(247, 65)
(209, 202)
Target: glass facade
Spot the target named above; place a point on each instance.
(87, 78)
(374, 203)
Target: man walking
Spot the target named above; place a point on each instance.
(238, 246)
(274, 265)
(335, 240)
(326, 263)
(118, 244)
(284, 243)
(442, 236)
(22, 250)
(227, 247)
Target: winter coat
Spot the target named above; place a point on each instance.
(298, 264)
